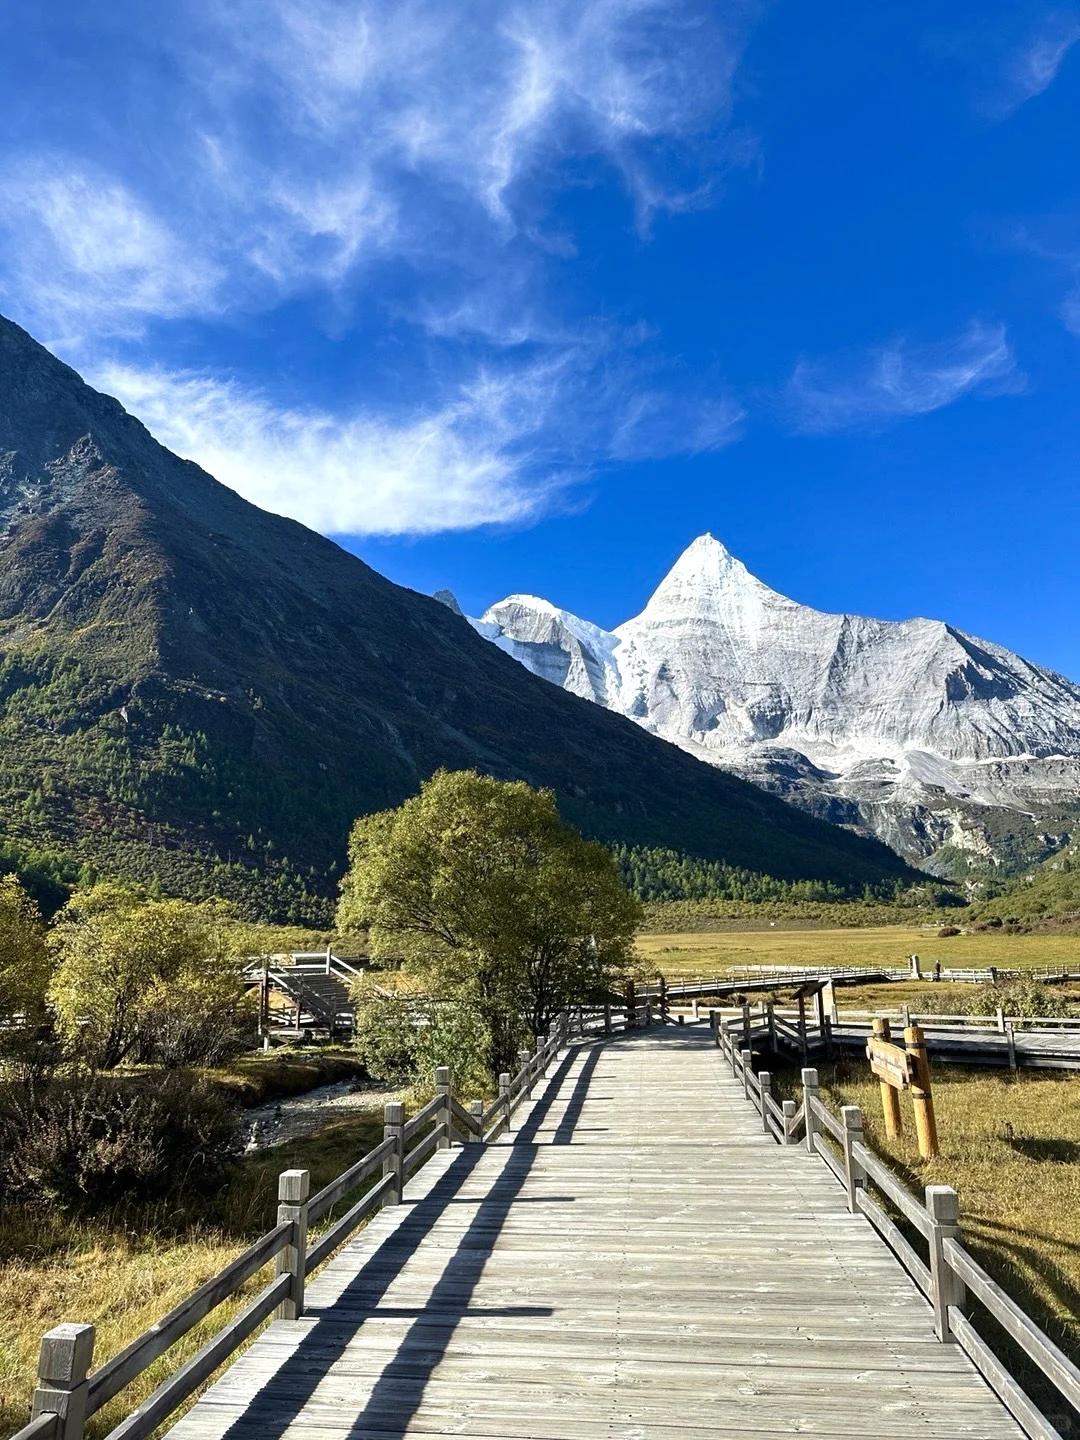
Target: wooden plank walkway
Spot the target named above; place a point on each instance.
(637, 1260)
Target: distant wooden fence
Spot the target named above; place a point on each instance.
(68, 1394)
(1045, 1042)
(950, 1277)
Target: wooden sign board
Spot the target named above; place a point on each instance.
(889, 1062)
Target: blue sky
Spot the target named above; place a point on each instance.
(523, 297)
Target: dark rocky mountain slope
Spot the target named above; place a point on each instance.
(193, 690)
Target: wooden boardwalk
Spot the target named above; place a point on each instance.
(636, 1260)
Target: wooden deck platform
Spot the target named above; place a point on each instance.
(636, 1260)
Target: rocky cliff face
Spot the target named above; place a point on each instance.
(952, 749)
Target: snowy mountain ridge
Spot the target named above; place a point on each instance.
(911, 730)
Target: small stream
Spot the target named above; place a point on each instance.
(281, 1120)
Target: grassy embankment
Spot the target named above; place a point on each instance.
(277, 1074)
(124, 1271)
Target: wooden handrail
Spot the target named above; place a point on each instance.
(1034, 1423)
(953, 1272)
(340, 1231)
(109, 1379)
(1052, 1361)
(424, 1116)
(172, 1392)
(330, 1194)
(286, 1243)
(888, 1184)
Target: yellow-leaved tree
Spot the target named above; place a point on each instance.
(149, 979)
(24, 965)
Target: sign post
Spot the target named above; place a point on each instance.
(925, 1120)
(890, 1093)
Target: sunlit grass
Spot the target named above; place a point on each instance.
(123, 1272)
(697, 953)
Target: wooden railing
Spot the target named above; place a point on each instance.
(952, 1280)
(1040, 1042)
(68, 1394)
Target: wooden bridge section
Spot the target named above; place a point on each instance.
(636, 1258)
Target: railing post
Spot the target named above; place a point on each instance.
(476, 1110)
(293, 1189)
(764, 1081)
(63, 1362)
(851, 1116)
(771, 1017)
(714, 1026)
(444, 1088)
(747, 1071)
(1010, 1042)
(394, 1164)
(746, 1024)
(607, 1017)
(790, 1110)
(525, 1064)
(946, 1287)
(631, 1006)
(504, 1097)
(810, 1094)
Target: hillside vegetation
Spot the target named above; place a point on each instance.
(1051, 889)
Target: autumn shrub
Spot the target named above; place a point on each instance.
(402, 1038)
(87, 1142)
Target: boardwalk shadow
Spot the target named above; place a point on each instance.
(398, 1392)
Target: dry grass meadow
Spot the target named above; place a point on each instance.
(123, 1272)
(708, 953)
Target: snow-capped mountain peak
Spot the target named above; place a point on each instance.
(886, 725)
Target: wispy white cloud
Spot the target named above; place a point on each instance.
(462, 465)
(656, 423)
(319, 138)
(899, 380)
(498, 450)
(1033, 66)
(84, 254)
(397, 155)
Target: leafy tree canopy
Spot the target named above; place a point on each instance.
(132, 974)
(481, 886)
(24, 965)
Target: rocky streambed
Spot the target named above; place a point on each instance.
(281, 1120)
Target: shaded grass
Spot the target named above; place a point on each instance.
(124, 1271)
(277, 1074)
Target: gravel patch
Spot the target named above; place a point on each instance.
(281, 1120)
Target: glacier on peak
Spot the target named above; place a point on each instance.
(886, 725)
